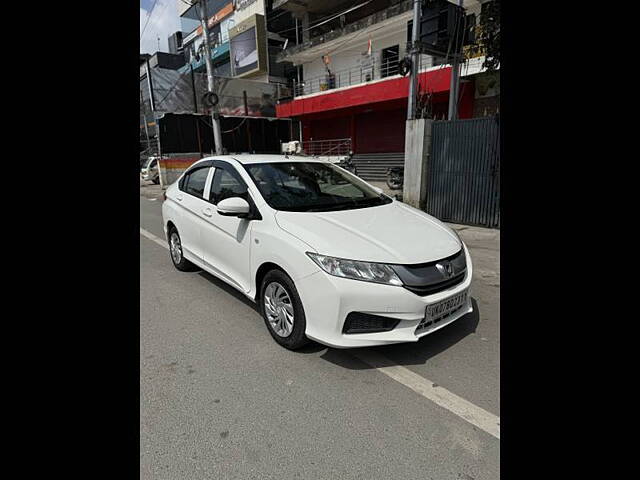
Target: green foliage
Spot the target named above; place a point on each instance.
(488, 35)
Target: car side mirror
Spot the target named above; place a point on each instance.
(234, 207)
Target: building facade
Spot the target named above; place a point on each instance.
(243, 38)
(244, 45)
(349, 84)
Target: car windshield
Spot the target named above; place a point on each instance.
(312, 187)
(149, 162)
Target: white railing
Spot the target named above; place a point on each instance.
(327, 148)
(374, 69)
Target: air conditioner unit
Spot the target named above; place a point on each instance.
(291, 147)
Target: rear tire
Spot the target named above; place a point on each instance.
(175, 252)
(282, 310)
(394, 183)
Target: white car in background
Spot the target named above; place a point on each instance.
(325, 255)
(150, 171)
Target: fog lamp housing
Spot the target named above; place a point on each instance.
(358, 322)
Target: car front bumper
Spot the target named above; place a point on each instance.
(327, 300)
(148, 176)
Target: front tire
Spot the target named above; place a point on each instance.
(281, 308)
(176, 254)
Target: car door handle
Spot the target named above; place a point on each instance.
(207, 212)
(179, 198)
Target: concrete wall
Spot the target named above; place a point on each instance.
(251, 8)
(173, 165)
(416, 157)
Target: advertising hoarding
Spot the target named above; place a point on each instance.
(176, 92)
(248, 47)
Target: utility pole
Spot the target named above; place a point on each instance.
(153, 110)
(144, 114)
(297, 42)
(415, 52)
(215, 116)
(455, 74)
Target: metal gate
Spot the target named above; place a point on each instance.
(464, 172)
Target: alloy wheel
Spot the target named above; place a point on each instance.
(176, 248)
(279, 309)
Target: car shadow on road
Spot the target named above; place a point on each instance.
(417, 353)
(228, 289)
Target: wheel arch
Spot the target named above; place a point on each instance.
(170, 225)
(262, 270)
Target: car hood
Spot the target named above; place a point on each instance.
(392, 233)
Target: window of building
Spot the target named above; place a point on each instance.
(390, 61)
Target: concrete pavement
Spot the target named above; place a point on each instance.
(220, 399)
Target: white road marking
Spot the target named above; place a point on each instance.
(473, 414)
(154, 238)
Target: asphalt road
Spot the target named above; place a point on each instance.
(220, 399)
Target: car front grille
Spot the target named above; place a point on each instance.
(428, 278)
(425, 290)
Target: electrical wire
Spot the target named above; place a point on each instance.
(317, 23)
(148, 18)
(180, 78)
(319, 20)
(236, 127)
(276, 16)
(204, 119)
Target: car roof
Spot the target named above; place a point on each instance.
(247, 159)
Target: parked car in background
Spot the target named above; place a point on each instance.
(325, 255)
(144, 159)
(150, 171)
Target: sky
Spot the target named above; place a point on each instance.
(164, 22)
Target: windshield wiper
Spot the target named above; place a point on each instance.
(331, 207)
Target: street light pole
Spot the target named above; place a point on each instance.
(454, 86)
(413, 81)
(215, 116)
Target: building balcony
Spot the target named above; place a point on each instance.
(375, 67)
(357, 87)
(390, 19)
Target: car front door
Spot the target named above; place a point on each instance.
(226, 240)
(195, 207)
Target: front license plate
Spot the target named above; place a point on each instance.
(445, 306)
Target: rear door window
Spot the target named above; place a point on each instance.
(195, 182)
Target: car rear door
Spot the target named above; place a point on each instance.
(193, 200)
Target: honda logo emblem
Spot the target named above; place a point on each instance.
(445, 268)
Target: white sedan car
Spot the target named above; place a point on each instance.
(325, 255)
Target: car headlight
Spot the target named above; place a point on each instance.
(355, 270)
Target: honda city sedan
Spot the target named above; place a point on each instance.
(325, 255)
